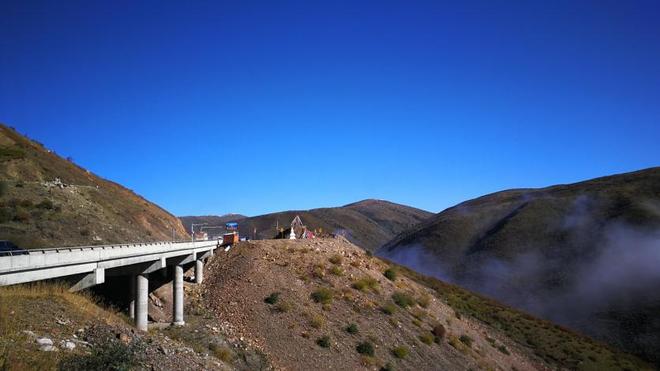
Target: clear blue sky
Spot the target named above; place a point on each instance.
(253, 107)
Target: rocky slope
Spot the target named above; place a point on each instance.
(368, 223)
(47, 201)
(584, 255)
(327, 304)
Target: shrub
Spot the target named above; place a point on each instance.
(318, 271)
(21, 215)
(283, 306)
(352, 329)
(337, 271)
(388, 309)
(365, 348)
(427, 338)
(11, 153)
(400, 352)
(85, 232)
(439, 332)
(387, 367)
(222, 353)
(272, 298)
(466, 340)
(323, 296)
(114, 355)
(390, 274)
(46, 204)
(336, 259)
(503, 349)
(323, 342)
(317, 321)
(365, 283)
(402, 299)
(424, 301)
(26, 204)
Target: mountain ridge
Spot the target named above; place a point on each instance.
(546, 249)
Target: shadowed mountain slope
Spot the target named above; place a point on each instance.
(47, 201)
(585, 255)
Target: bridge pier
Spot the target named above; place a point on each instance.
(177, 286)
(131, 304)
(199, 271)
(141, 302)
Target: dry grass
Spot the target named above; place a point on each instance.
(32, 307)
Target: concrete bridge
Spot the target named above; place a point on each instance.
(86, 266)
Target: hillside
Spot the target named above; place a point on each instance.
(585, 255)
(368, 223)
(47, 201)
(327, 304)
(44, 327)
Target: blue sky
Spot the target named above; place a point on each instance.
(253, 107)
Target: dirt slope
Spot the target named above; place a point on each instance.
(285, 296)
(37, 211)
(584, 255)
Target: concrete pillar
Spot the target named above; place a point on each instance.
(141, 304)
(131, 298)
(177, 285)
(199, 271)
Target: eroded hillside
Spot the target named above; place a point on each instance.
(327, 304)
(47, 201)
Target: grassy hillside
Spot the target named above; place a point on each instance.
(80, 208)
(584, 255)
(327, 304)
(368, 223)
(84, 335)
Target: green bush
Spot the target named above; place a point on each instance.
(402, 299)
(114, 355)
(427, 338)
(222, 353)
(466, 340)
(336, 259)
(400, 352)
(323, 342)
(365, 283)
(352, 329)
(11, 153)
(503, 349)
(388, 309)
(323, 296)
(337, 271)
(272, 298)
(365, 348)
(390, 274)
(46, 204)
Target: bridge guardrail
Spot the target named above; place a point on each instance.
(89, 247)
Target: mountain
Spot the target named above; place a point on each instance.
(211, 220)
(48, 201)
(368, 223)
(327, 304)
(585, 255)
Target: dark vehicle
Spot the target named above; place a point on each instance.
(7, 248)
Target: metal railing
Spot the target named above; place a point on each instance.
(18, 252)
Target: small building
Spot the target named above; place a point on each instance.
(201, 236)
